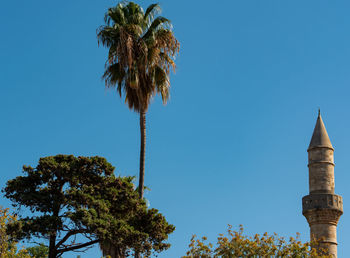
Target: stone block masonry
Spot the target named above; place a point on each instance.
(322, 207)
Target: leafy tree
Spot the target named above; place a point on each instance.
(142, 49)
(71, 196)
(236, 244)
(38, 251)
(8, 249)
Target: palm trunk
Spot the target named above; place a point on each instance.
(142, 159)
(142, 152)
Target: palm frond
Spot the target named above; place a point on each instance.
(160, 21)
(114, 75)
(115, 15)
(166, 41)
(134, 29)
(107, 35)
(132, 98)
(166, 62)
(133, 78)
(162, 83)
(134, 14)
(151, 11)
(153, 55)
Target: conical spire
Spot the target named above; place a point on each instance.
(320, 137)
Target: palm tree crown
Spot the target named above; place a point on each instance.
(142, 49)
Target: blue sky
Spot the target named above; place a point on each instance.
(230, 146)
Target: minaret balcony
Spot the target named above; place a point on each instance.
(322, 202)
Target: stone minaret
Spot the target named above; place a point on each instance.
(322, 208)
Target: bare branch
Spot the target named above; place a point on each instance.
(68, 235)
(59, 251)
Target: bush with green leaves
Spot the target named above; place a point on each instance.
(236, 244)
(8, 248)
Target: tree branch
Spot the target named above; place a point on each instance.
(34, 242)
(77, 246)
(68, 235)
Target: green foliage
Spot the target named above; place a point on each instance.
(8, 249)
(39, 251)
(236, 244)
(80, 195)
(142, 50)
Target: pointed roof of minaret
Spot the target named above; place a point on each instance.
(320, 136)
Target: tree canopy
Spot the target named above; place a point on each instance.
(72, 196)
(236, 244)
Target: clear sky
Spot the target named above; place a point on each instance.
(230, 146)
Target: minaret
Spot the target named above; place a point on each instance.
(322, 208)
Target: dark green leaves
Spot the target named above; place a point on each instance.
(80, 195)
(39, 251)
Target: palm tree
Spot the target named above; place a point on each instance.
(142, 50)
